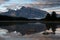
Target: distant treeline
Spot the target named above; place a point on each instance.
(14, 18)
(10, 18)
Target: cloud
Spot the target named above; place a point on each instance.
(36, 3)
(12, 4)
(45, 3)
(2, 1)
(49, 1)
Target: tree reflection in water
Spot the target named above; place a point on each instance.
(52, 26)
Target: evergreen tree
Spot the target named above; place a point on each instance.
(53, 16)
(48, 16)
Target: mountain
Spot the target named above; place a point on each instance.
(58, 15)
(27, 12)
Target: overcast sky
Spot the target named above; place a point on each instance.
(47, 5)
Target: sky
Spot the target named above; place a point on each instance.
(47, 5)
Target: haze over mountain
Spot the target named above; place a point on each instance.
(27, 12)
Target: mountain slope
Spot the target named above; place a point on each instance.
(26, 12)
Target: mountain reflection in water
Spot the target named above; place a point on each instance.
(23, 28)
(26, 28)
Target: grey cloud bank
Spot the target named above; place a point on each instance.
(2, 1)
(40, 4)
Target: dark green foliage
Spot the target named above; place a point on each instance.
(10, 18)
(48, 17)
(53, 16)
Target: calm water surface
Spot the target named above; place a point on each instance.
(28, 28)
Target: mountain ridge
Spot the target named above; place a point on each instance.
(26, 12)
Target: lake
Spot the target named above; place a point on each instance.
(27, 28)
